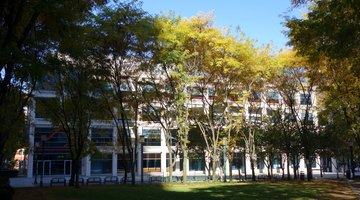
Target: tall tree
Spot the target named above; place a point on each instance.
(76, 75)
(125, 35)
(328, 36)
(29, 31)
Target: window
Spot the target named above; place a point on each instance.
(289, 117)
(101, 164)
(149, 113)
(238, 161)
(102, 137)
(174, 136)
(272, 97)
(168, 159)
(56, 140)
(255, 110)
(152, 162)
(124, 86)
(152, 137)
(255, 96)
(148, 87)
(305, 99)
(273, 115)
(211, 93)
(47, 83)
(235, 109)
(290, 99)
(309, 117)
(196, 109)
(195, 93)
(122, 162)
(196, 162)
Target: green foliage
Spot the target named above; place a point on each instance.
(29, 32)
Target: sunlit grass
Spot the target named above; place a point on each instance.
(198, 191)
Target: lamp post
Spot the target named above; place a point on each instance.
(141, 141)
(43, 139)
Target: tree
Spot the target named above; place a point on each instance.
(295, 79)
(77, 78)
(326, 36)
(29, 31)
(17, 138)
(330, 30)
(126, 35)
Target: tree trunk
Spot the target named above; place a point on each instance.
(230, 170)
(170, 163)
(253, 177)
(214, 165)
(294, 163)
(185, 159)
(288, 165)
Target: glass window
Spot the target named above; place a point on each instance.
(124, 86)
(195, 92)
(211, 92)
(149, 113)
(238, 161)
(148, 87)
(122, 162)
(255, 96)
(309, 116)
(102, 137)
(152, 137)
(196, 162)
(272, 97)
(305, 99)
(56, 140)
(101, 164)
(47, 82)
(255, 110)
(168, 159)
(152, 162)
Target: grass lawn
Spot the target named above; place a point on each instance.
(198, 191)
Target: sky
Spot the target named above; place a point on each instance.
(260, 20)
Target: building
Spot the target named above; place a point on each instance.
(50, 156)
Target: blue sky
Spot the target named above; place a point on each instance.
(260, 20)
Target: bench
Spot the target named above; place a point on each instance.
(93, 180)
(156, 179)
(128, 179)
(111, 179)
(58, 181)
(81, 181)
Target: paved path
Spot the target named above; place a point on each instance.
(355, 186)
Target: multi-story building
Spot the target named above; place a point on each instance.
(49, 154)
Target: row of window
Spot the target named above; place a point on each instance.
(56, 140)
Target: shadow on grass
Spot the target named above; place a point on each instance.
(198, 191)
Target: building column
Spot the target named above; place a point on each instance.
(163, 162)
(138, 160)
(30, 165)
(114, 163)
(87, 166)
(114, 153)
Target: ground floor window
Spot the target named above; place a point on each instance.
(168, 163)
(152, 162)
(197, 161)
(101, 164)
(123, 161)
(238, 161)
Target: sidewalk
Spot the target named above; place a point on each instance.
(355, 186)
